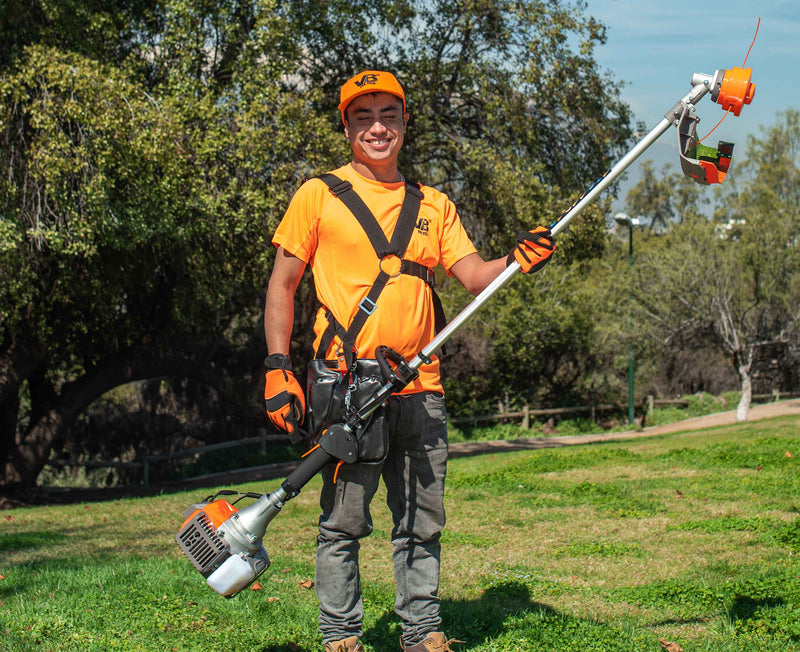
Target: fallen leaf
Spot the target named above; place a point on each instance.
(670, 647)
(2, 577)
(273, 599)
(759, 467)
(307, 584)
(679, 493)
(788, 454)
(8, 517)
(286, 570)
(256, 586)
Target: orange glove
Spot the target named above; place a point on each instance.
(533, 249)
(286, 404)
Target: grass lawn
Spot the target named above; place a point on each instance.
(693, 538)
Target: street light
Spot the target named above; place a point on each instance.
(625, 220)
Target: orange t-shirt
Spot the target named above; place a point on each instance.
(320, 230)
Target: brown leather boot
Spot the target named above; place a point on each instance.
(436, 642)
(345, 645)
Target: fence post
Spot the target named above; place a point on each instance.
(526, 417)
(650, 404)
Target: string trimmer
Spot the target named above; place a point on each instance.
(226, 544)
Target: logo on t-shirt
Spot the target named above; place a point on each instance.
(422, 225)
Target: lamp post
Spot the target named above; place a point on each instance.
(625, 220)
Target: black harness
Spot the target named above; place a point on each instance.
(397, 247)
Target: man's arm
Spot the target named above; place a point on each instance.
(532, 252)
(279, 308)
(475, 273)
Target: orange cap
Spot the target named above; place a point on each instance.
(369, 81)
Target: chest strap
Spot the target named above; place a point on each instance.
(404, 229)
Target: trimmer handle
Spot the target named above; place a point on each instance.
(314, 461)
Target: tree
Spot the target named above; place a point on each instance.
(104, 31)
(133, 228)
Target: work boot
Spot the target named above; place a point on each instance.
(345, 645)
(436, 642)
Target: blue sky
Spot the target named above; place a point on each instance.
(656, 46)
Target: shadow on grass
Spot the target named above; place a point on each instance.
(747, 608)
(472, 621)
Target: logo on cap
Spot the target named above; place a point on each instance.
(367, 79)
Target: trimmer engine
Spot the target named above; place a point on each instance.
(202, 538)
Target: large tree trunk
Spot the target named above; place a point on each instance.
(743, 409)
(32, 451)
(18, 362)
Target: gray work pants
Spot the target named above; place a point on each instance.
(414, 474)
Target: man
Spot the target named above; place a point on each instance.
(320, 229)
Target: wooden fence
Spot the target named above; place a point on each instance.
(526, 413)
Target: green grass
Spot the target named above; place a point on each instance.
(690, 537)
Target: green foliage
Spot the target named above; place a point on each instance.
(756, 603)
(103, 31)
(595, 548)
(535, 348)
(136, 218)
(482, 64)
